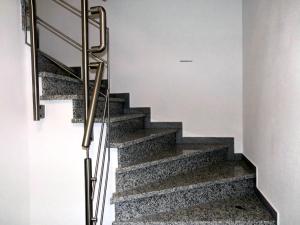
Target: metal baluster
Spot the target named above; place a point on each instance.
(34, 68)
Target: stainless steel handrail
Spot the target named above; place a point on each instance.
(92, 109)
(100, 12)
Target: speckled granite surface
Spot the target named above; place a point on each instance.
(140, 136)
(215, 173)
(147, 149)
(46, 65)
(219, 181)
(180, 159)
(116, 108)
(244, 210)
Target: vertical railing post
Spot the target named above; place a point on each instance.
(85, 54)
(34, 68)
(85, 78)
(88, 190)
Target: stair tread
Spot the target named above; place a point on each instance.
(75, 97)
(113, 119)
(217, 173)
(177, 152)
(246, 210)
(59, 77)
(140, 136)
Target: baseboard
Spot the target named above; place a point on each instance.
(257, 192)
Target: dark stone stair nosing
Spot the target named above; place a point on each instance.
(113, 119)
(59, 77)
(75, 97)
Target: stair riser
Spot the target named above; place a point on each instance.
(131, 179)
(116, 108)
(144, 151)
(181, 199)
(54, 86)
(118, 129)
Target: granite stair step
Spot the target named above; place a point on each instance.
(113, 119)
(218, 181)
(181, 158)
(142, 145)
(140, 136)
(54, 84)
(244, 210)
(120, 125)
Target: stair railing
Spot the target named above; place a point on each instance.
(90, 109)
(93, 197)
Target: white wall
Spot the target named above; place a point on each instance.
(41, 163)
(271, 101)
(57, 169)
(14, 169)
(148, 38)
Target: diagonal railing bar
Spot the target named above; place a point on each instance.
(66, 38)
(76, 11)
(99, 149)
(60, 65)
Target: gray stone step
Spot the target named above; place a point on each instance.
(143, 144)
(181, 158)
(244, 210)
(122, 124)
(54, 84)
(218, 181)
(116, 107)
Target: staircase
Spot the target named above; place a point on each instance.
(162, 177)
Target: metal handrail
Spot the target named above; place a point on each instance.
(90, 109)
